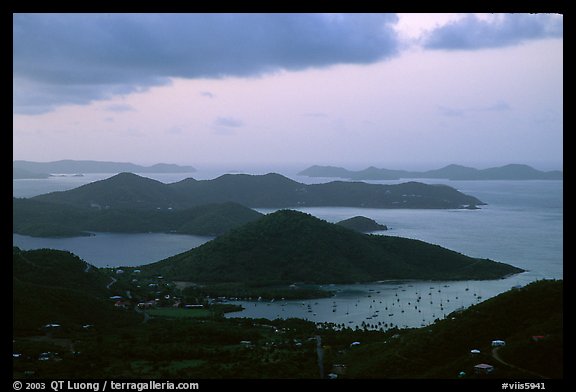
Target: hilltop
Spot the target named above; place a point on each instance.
(289, 246)
(450, 172)
(127, 190)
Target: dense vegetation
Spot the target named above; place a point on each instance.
(362, 224)
(450, 172)
(128, 190)
(52, 286)
(289, 246)
(45, 219)
(97, 340)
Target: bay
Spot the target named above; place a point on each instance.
(114, 250)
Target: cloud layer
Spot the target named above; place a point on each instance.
(501, 30)
(77, 58)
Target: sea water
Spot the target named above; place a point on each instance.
(522, 225)
(117, 249)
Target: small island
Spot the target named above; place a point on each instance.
(362, 224)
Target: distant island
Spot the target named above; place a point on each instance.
(450, 172)
(18, 174)
(362, 224)
(127, 190)
(288, 246)
(33, 169)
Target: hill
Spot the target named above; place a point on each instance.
(45, 219)
(124, 190)
(443, 350)
(450, 172)
(289, 246)
(362, 224)
(69, 166)
(52, 286)
(127, 190)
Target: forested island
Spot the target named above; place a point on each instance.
(127, 190)
(362, 224)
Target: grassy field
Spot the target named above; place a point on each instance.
(145, 367)
(179, 313)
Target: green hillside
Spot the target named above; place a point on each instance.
(46, 219)
(289, 246)
(124, 190)
(53, 286)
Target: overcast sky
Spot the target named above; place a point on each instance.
(395, 91)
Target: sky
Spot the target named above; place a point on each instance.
(400, 91)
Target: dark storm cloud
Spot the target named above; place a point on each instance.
(471, 33)
(77, 58)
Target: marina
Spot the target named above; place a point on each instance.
(383, 305)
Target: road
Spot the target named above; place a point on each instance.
(320, 353)
(114, 280)
(143, 313)
(497, 357)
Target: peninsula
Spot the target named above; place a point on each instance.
(289, 246)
